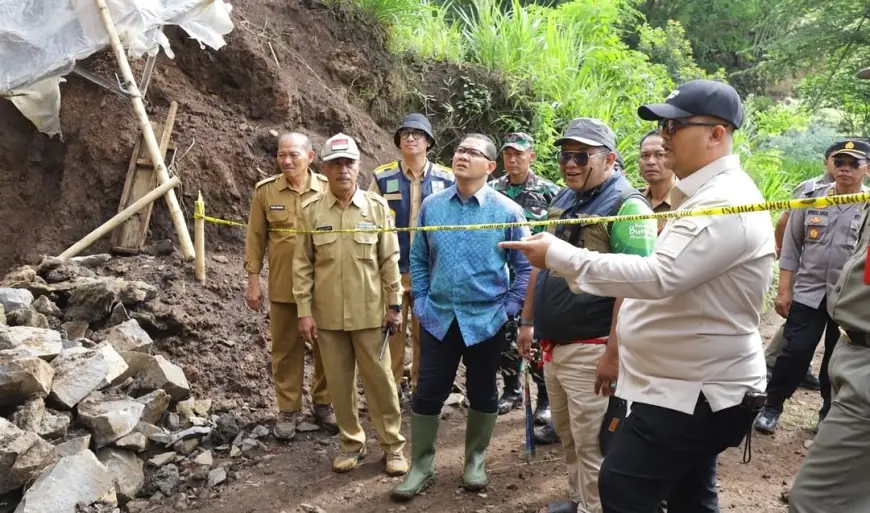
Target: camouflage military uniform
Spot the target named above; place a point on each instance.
(534, 197)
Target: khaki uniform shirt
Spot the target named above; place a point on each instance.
(816, 245)
(276, 205)
(689, 321)
(664, 205)
(849, 301)
(341, 278)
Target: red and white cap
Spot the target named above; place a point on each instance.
(339, 146)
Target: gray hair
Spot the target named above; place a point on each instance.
(303, 139)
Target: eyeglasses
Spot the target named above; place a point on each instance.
(853, 163)
(581, 158)
(416, 134)
(670, 126)
(471, 152)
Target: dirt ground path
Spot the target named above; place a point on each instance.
(286, 476)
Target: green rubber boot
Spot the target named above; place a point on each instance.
(478, 433)
(424, 432)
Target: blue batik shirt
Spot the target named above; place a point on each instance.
(463, 274)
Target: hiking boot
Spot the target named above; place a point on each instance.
(347, 461)
(767, 421)
(810, 382)
(546, 435)
(511, 396)
(542, 410)
(325, 416)
(424, 432)
(478, 433)
(285, 425)
(395, 464)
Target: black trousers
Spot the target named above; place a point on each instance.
(803, 330)
(663, 454)
(439, 360)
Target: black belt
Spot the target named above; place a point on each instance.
(858, 338)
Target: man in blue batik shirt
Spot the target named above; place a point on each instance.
(463, 297)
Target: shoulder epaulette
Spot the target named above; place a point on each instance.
(266, 180)
(377, 197)
(389, 166)
(321, 177)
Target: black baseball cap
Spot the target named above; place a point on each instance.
(857, 149)
(698, 98)
(416, 121)
(589, 131)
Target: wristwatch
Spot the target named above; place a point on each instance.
(396, 308)
(526, 322)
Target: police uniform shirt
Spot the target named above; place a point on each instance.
(275, 205)
(816, 245)
(340, 278)
(689, 323)
(849, 301)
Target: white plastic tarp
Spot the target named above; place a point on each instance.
(41, 40)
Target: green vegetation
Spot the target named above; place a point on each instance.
(604, 58)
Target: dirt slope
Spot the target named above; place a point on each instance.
(287, 65)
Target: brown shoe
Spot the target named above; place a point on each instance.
(285, 425)
(347, 461)
(326, 417)
(395, 464)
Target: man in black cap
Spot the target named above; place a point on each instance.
(691, 362)
(405, 184)
(834, 475)
(817, 243)
(575, 330)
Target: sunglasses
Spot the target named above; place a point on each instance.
(416, 134)
(581, 158)
(471, 152)
(853, 163)
(670, 126)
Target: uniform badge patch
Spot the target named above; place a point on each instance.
(816, 219)
(814, 234)
(437, 186)
(392, 186)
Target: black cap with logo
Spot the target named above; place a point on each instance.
(698, 98)
(858, 149)
(589, 131)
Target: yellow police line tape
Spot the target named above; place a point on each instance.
(820, 202)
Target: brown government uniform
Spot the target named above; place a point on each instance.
(342, 280)
(276, 205)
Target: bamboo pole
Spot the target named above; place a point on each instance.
(150, 140)
(119, 218)
(199, 238)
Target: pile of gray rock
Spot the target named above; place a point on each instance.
(90, 417)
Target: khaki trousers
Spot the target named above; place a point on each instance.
(343, 352)
(397, 340)
(577, 416)
(288, 360)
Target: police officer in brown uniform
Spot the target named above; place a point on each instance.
(341, 283)
(276, 204)
(833, 478)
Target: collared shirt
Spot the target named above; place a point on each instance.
(463, 275)
(664, 205)
(807, 187)
(534, 195)
(343, 279)
(275, 204)
(689, 323)
(849, 302)
(817, 243)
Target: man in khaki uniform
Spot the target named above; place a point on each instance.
(834, 475)
(276, 203)
(341, 283)
(659, 178)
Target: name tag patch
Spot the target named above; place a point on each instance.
(324, 228)
(365, 225)
(276, 207)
